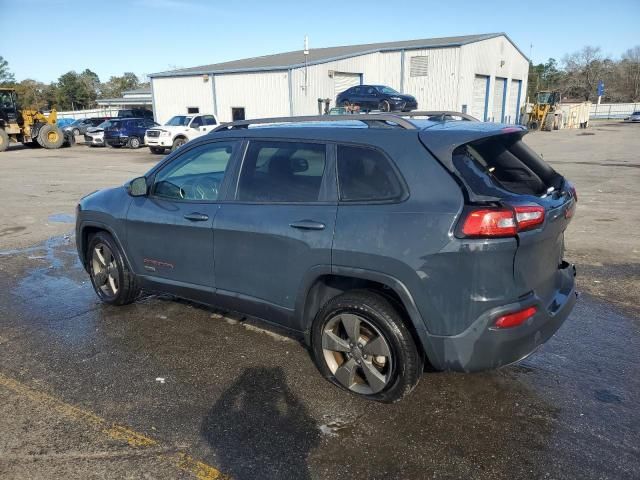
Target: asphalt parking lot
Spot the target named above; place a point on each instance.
(168, 389)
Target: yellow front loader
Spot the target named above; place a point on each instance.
(30, 127)
(542, 112)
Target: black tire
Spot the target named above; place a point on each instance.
(384, 106)
(75, 132)
(405, 361)
(127, 287)
(69, 140)
(50, 136)
(134, 143)
(156, 150)
(177, 143)
(4, 140)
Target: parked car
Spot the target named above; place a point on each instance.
(634, 117)
(376, 97)
(135, 113)
(178, 131)
(436, 241)
(79, 127)
(63, 122)
(127, 131)
(95, 135)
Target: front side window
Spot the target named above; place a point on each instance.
(282, 172)
(365, 174)
(195, 175)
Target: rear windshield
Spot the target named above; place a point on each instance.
(505, 162)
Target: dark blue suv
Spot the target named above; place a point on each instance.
(376, 97)
(410, 241)
(127, 132)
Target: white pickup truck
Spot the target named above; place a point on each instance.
(178, 131)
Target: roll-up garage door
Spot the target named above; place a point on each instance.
(514, 100)
(343, 81)
(479, 97)
(499, 100)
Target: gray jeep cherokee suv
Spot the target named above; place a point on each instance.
(386, 241)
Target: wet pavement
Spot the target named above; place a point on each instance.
(251, 404)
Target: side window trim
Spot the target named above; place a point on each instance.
(396, 171)
(328, 187)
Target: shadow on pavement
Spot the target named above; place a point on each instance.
(254, 422)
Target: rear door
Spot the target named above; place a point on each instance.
(278, 225)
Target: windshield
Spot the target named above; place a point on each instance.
(6, 100)
(388, 91)
(78, 122)
(179, 121)
(105, 124)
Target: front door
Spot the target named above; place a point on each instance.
(169, 232)
(277, 227)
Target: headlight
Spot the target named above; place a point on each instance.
(395, 99)
(165, 134)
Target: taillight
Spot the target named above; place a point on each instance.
(516, 318)
(489, 223)
(529, 216)
(574, 192)
(502, 222)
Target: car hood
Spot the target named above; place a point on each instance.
(407, 98)
(172, 129)
(94, 130)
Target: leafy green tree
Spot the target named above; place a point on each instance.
(6, 76)
(31, 94)
(116, 85)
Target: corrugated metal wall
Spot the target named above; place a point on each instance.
(172, 96)
(263, 94)
(436, 90)
(498, 59)
(382, 68)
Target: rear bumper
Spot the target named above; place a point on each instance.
(483, 347)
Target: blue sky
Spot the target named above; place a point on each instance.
(146, 36)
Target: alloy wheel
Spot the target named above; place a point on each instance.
(104, 270)
(357, 353)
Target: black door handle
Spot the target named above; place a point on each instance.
(307, 225)
(196, 217)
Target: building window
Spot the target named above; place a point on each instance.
(419, 66)
(237, 113)
(193, 110)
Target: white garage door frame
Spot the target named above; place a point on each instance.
(345, 80)
(499, 99)
(515, 91)
(480, 100)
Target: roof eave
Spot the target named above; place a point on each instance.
(178, 73)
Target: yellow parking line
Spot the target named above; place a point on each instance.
(184, 462)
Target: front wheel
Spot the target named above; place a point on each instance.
(361, 343)
(112, 280)
(4, 140)
(177, 143)
(50, 136)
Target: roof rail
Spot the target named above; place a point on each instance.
(384, 120)
(440, 113)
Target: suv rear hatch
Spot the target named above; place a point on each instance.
(501, 175)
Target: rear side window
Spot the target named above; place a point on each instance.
(282, 172)
(366, 175)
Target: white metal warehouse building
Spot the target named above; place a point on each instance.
(484, 75)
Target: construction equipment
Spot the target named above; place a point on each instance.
(30, 127)
(541, 116)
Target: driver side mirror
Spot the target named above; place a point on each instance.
(138, 187)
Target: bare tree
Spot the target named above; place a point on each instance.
(584, 69)
(630, 66)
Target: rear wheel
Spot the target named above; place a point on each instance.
(50, 136)
(4, 140)
(133, 142)
(361, 343)
(112, 280)
(178, 142)
(384, 106)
